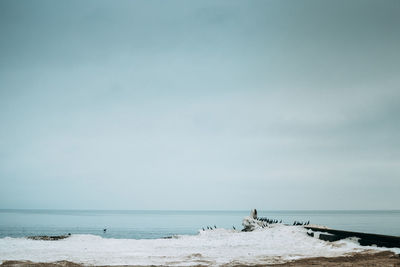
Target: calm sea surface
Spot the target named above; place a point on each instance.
(156, 224)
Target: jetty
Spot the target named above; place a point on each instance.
(49, 237)
(253, 222)
(365, 239)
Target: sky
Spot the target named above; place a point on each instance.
(200, 105)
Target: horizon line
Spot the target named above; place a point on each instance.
(200, 210)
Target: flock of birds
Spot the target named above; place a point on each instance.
(266, 220)
(269, 221)
(272, 221)
(301, 223)
(215, 227)
(265, 224)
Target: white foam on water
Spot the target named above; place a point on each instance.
(215, 247)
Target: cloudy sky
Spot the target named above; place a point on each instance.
(200, 104)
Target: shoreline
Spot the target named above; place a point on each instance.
(369, 258)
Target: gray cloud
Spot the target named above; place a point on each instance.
(199, 105)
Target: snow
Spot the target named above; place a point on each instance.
(212, 247)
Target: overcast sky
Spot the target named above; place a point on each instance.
(200, 104)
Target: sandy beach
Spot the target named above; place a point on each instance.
(384, 259)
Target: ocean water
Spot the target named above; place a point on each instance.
(158, 224)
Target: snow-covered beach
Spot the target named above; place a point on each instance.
(276, 245)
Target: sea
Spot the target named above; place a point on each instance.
(153, 224)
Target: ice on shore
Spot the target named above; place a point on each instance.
(215, 247)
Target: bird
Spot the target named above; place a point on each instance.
(104, 230)
(215, 226)
(203, 229)
(233, 227)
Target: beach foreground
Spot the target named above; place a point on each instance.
(280, 244)
(385, 258)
